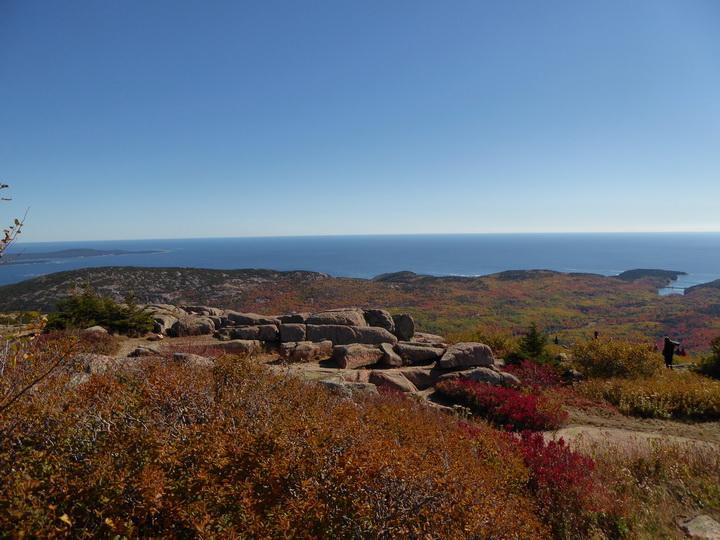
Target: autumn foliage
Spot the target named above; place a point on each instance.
(174, 450)
(508, 408)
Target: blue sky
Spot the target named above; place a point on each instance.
(176, 119)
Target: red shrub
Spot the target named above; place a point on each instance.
(569, 497)
(536, 375)
(506, 407)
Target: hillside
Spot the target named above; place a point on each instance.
(571, 306)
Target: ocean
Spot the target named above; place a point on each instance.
(697, 254)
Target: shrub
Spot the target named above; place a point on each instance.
(175, 450)
(533, 346)
(615, 358)
(666, 395)
(531, 373)
(87, 308)
(568, 495)
(29, 369)
(501, 341)
(84, 341)
(505, 407)
(710, 365)
(570, 499)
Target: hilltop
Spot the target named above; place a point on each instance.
(570, 305)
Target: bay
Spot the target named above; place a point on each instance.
(697, 254)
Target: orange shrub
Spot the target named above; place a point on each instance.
(173, 450)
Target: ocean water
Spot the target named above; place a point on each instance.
(697, 254)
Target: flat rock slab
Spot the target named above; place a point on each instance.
(703, 527)
(466, 355)
(343, 317)
(356, 355)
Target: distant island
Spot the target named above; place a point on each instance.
(37, 258)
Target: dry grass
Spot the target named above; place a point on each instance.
(669, 394)
(659, 483)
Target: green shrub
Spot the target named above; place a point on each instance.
(87, 308)
(615, 358)
(710, 365)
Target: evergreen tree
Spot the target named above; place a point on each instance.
(87, 308)
(533, 343)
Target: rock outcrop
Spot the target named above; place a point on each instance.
(358, 349)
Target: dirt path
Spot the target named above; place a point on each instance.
(579, 436)
(590, 427)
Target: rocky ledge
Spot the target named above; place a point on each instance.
(348, 350)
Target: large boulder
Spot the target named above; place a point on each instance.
(392, 380)
(250, 319)
(262, 332)
(343, 317)
(164, 322)
(306, 351)
(379, 318)
(422, 377)
(404, 327)
(239, 346)
(294, 318)
(466, 355)
(419, 353)
(165, 308)
(292, 332)
(348, 389)
(373, 336)
(192, 326)
(486, 375)
(355, 375)
(338, 334)
(345, 335)
(356, 355)
(390, 358)
(204, 310)
(423, 337)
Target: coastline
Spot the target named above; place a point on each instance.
(365, 257)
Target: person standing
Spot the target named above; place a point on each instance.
(669, 350)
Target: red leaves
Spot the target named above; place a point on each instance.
(506, 407)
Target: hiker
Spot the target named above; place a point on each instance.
(669, 350)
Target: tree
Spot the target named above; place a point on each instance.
(87, 308)
(533, 343)
(11, 233)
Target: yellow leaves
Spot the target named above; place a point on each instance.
(671, 393)
(66, 519)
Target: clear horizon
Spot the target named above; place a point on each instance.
(218, 119)
(20, 242)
